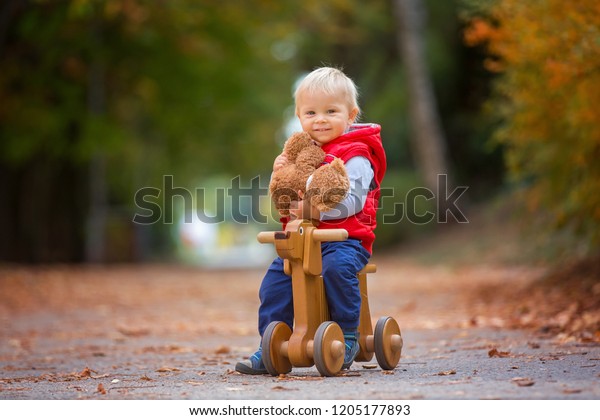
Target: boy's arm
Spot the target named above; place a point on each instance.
(360, 174)
(280, 162)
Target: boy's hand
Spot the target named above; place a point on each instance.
(280, 162)
(303, 209)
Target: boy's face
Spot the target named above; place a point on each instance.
(324, 117)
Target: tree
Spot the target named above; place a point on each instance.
(426, 132)
(130, 89)
(99, 98)
(548, 56)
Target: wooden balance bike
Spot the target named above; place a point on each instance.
(316, 340)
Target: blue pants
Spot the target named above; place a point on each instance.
(341, 262)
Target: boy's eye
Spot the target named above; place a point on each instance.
(310, 112)
(331, 111)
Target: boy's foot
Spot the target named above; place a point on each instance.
(352, 348)
(252, 366)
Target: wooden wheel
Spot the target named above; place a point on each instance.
(328, 348)
(387, 341)
(275, 335)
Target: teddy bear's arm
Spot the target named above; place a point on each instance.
(360, 175)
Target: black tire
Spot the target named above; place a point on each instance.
(274, 362)
(328, 363)
(387, 354)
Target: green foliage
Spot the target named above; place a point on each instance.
(159, 86)
(399, 210)
(192, 87)
(195, 88)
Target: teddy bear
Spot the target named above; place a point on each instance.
(329, 184)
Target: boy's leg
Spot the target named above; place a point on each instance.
(276, 305)
(276, 298)
(341, 263)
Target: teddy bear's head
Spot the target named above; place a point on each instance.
(304, 158)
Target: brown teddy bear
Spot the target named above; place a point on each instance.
(329, 184)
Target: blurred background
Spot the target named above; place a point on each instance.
(100, 100)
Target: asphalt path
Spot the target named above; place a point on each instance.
(175, 333)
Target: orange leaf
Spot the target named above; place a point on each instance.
(495, 353)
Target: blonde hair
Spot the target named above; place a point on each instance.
(332, 81)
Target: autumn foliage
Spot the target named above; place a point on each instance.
(547, 54)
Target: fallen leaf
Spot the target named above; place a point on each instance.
(133, 332)
(571, 391)
(146, 378)
(101, 389)
(85, 373)
(495, 353)
(523, 381)
(349, 374)
(223, 350)
(373, 366)
(446, 373)
(168, 369)
(194, 382)
(284, 377)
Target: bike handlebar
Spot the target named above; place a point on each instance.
(322, 235)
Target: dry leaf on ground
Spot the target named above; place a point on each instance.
(446, 373)
(168, 369)
(223, 350)
(523, 381)
(495, 353)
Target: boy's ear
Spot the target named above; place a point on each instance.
(353, 114)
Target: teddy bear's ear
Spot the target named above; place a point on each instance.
(295, 144)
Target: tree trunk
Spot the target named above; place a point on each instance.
(95, 250)
(426, 134)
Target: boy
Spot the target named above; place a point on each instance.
(327, 107)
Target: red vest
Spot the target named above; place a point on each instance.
(363, 140)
